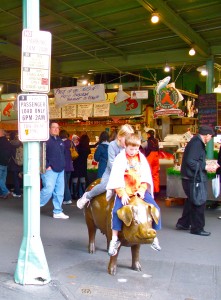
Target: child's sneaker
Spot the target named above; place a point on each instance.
(113, 247)
(155, 245)
(82, 201)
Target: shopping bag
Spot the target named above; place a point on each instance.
(216, 186)
(198, 189)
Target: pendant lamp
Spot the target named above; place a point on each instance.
(121, 95)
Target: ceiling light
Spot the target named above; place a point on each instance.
(155, 18)
(192, 52)
(167, 68)
(202, 70)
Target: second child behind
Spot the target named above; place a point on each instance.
(101, 153)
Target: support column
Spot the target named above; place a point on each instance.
(32, 267)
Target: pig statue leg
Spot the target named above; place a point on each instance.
(135, 251)
(91, 234)
(112, 267)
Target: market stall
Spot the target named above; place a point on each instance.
(174, 187)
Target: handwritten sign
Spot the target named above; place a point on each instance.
(69, 111)
(81, 94)
(85, 110)
(101, 109)
(207, 110)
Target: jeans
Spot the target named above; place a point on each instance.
(192, 215)
(17, 182)
(101, 187)
(53, 186)
(67, 192)
(3, 174)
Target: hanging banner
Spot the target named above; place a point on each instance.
(81, 94)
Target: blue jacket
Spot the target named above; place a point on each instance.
(55, 154)
(101, 156)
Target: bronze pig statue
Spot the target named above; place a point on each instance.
(137, 229)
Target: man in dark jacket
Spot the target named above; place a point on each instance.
(5, 155)
(53, 178)
(193, 216)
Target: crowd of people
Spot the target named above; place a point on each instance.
(125, 168)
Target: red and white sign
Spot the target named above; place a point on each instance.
(36, 61)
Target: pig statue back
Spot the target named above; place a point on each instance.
(137, 219)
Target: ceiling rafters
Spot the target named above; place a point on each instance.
(177, 25)
(86, 16)
(90, 54)
(82, 30)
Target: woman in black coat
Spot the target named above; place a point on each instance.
(79, 174)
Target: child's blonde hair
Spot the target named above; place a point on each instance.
(125, 130)
(133, 140)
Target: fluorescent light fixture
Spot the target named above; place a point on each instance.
(155, 18)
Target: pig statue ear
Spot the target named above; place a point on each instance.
(125, 214)
(154, 213)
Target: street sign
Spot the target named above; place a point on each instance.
(35, 61)
(33, 117)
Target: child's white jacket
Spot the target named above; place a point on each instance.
(116, 179)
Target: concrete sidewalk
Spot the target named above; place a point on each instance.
(188, 267)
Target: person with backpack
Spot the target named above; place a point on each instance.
(15, 166)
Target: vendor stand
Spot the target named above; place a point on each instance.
(174, 187)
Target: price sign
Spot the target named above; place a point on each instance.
(33, 120)
(36, 61)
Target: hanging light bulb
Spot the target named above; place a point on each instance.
(192, 52)
(202, 70)
(167, 68)
(155, 18)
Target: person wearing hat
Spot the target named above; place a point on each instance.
(151, 151)
(193, 217)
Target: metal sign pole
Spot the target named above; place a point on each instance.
(32, 267)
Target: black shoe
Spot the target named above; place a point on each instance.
(201, 232)
(181, 227)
